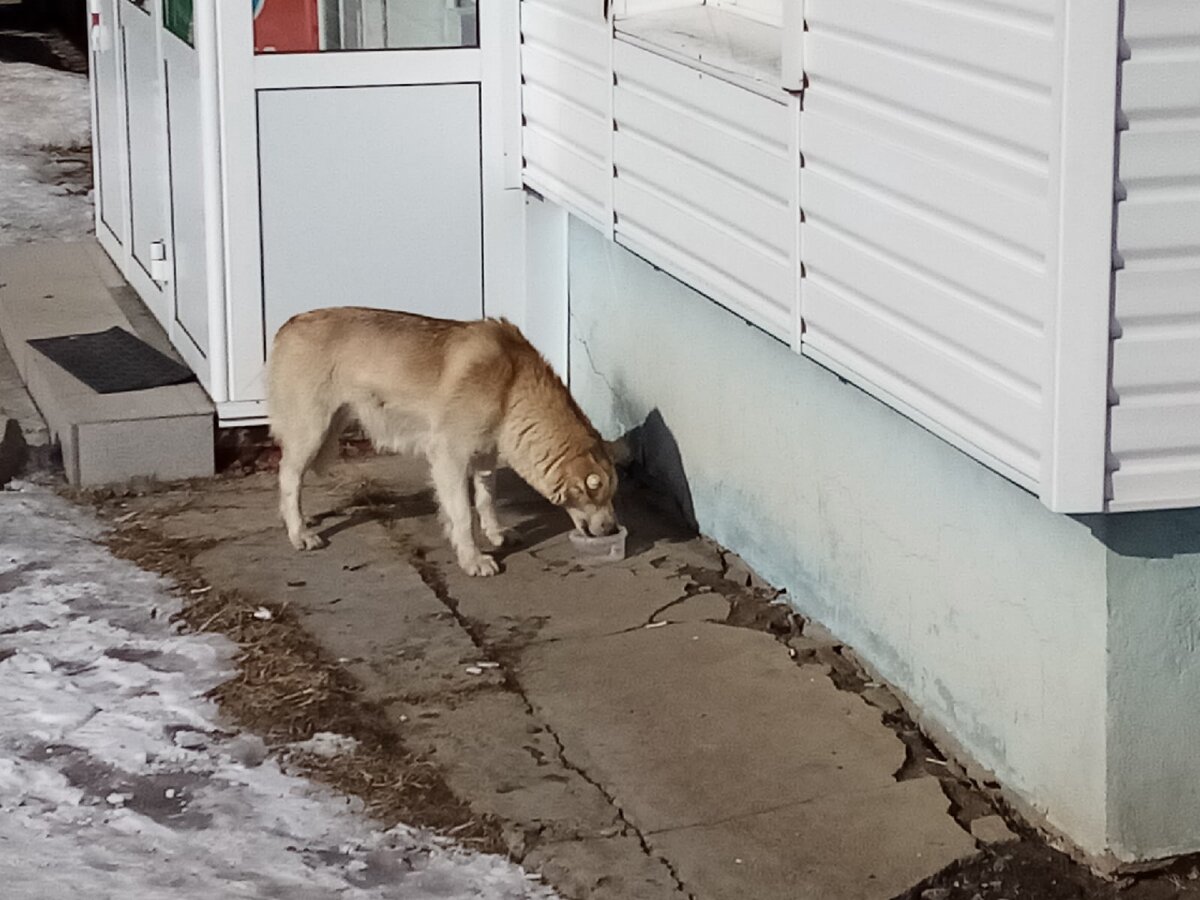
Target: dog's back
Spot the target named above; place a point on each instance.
(401, 375)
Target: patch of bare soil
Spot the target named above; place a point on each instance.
(1032, 871)
(287, 690)
(245, 450)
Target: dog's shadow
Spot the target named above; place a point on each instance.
(371, 502)
(649, 514)
(530, 519)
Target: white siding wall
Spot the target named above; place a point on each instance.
(566, 104)
(703, 188)
(1155, 423)
(954, 164)
(929, 141)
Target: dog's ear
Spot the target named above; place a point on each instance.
(619, 451)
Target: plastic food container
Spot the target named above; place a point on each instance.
(610, 548)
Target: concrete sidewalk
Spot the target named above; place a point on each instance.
(629, 738)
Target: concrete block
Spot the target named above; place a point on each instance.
(165, 449)
(55, 289)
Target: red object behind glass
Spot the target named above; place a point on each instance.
(286, 26)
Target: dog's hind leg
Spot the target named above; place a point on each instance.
(485, 505)
(450, 479)
(327, 455)
(304, 448)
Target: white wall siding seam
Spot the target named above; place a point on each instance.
(984, 107)
(998, 456)
(950, 345)
(969, 299)
(566, 105)
(796, 158)
(1155, 420)
(905, 189)
(1024, 170)
(610, 33)
(750, 130)
(1076, 424)
(1012, 68)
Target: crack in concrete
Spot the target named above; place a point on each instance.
(737, 817)
(435, 581)
(653, 621)
(966, 801)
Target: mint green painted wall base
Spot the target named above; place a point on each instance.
(1016, 629)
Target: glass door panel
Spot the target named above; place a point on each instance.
(309, 26)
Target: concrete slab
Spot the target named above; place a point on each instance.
(610, 868)
(867, 845)
(368, 604)
(61, 288)
(630, 746)
(669, 727)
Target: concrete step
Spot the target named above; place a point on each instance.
(59, 288)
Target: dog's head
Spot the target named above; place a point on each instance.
(588, 486)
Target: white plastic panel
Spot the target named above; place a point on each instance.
(703, 184)
(929, 137)
(147, 128)
(566, 98)
(334, 162)
(109, 142)
(1155, 424)
(185, 145)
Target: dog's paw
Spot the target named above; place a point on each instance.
(499, 537)
(482, 566)
(309, 540)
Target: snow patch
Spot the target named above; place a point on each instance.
(44, 112)
(326, 743)
(117, 777)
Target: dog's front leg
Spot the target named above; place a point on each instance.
(450, 479)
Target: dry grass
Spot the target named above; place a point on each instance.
(287, 690)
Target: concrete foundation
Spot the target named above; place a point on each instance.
(1059, 652)
(54, 289)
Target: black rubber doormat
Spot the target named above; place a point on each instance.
(113, 361)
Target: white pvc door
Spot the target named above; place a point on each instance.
(146, 136)
(109, 138)
(186, 145)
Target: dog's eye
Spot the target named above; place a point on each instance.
(593, 482)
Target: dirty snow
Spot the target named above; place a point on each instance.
(45, 136)
(116, 778)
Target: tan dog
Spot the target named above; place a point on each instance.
(465, 394)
